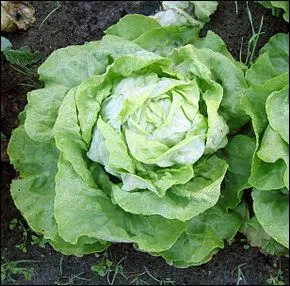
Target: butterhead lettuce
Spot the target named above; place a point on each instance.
(268, 107)
(121, 144)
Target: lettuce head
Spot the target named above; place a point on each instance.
(268, 107)
(121, 144)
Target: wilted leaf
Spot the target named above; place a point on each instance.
(16, 15)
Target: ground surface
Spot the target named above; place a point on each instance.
(75, 23)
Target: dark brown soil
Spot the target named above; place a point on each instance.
(76, 23)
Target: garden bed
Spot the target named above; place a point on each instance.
(76, 23)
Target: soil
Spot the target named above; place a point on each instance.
(76, 23)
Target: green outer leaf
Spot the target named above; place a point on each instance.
(215, 43)
(283, 5)
(181, 201)
(21, 150)
(272, 149)
(265, 176)
(278, 50)
(277, 109)
(131, 26)
(33, 194)
(162, 40)
(42, 111)
(261, 71)
(63, 69)
(71, 65)
(238, 153)
(82, 210)
(272, 211)
(275, 7)
(204, 235)
(273, 61)
(257, 237)
(254, 103)
(268, 80)
(85, 245)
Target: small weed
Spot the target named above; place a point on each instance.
(107, 268)
(16, 224)
(254, 39)
(277, 280)
(118, 269)
(40, 241)
(11, 270)
(102, 268)
(252, 43)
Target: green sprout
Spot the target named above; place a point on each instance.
(276, 280)
(11, 270)
(105, 267)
